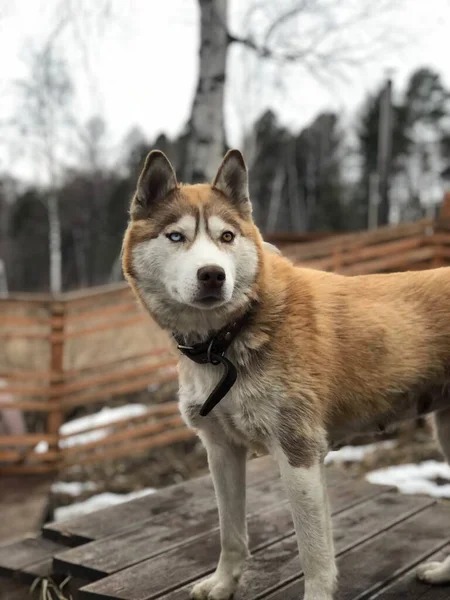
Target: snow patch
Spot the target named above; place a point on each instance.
(415, 479)
(83, 438)
(73, 488)
(104, 417)
(41, 447)
(357, 453)
(97, 502)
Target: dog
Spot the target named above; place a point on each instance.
(280, 358)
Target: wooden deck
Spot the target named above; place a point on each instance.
(23, 504)
(157, 546)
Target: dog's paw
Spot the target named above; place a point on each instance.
(214, 588)
(434, 572)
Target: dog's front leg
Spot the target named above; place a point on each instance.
(306, 489)
(227, 463)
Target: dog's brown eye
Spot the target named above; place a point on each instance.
(227, 237)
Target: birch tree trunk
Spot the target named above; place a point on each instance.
(275, 200)
(3, 278)
(296, 202)
(54, 238)
(206, 143)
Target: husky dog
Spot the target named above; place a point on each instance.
(273, 356)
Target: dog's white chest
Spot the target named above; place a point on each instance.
(243, 413)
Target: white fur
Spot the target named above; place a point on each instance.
(307, 493)
(439, 572)
(435, 572)
(167, 271)
(229, 484)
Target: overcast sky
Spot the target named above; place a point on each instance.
(142, 67)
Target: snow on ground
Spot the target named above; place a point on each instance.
(41, 447)
(96, 503)
(104, 417)
(357, 453)
(73, 488)
(415, 479)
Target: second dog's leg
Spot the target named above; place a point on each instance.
(439, 572)
(306, 489)
(227, 463)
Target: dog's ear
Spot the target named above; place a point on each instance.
(156, 181)
(232, 181)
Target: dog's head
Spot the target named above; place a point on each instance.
(192, 252)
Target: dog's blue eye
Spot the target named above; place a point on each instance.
(175, 236)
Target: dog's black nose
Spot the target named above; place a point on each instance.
(211, 277)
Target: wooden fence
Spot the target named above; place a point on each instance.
(78, 350)
(85, 348)
(410, 246)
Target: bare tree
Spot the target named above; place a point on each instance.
(324, 37)
(44, 118)
(43, 108)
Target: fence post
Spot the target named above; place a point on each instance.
(56, 416)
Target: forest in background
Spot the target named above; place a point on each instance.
(315, 180)
(65, 232)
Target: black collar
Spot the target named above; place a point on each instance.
(212, 351)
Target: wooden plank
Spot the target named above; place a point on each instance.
(119, 388)
(20, 456)
(398, 261)
(380, 560)
(135, 447)
(113, 376)
(164, 424)
(112, 520)
(118, 323)
(21, 321)
(409, 587)
(166, 572)
(41, 391)
(16, 556)
(110, 364)
(157, 534)
(23, 375)
(346, 257)
(103, 312)
(278, 564)
(27, 469)
(160, 534)
(28, 405)
(27, 439)
(10, 335)
(356, 240)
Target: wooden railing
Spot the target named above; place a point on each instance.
(409, 246)
(90, 347)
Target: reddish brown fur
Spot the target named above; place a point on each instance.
(347, 351)
(323, 356)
